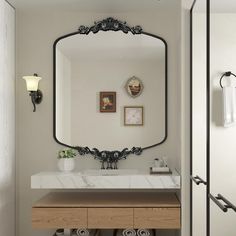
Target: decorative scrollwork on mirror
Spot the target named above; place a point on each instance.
(110, 24)
(109, 159)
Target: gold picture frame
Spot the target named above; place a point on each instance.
(133, 116)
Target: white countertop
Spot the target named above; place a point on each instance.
(79, 180)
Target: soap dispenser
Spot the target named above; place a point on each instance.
(158, 162)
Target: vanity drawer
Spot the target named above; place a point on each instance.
(52, 218)
(110, 218)
(157, 218)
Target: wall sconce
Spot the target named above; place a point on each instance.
(32, 83)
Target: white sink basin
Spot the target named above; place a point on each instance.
(111, 172)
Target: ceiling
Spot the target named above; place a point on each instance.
(217, 6)
(95, 5)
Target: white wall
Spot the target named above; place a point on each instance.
(37, 150)
(223, 148)
(63, 87)
(7, 119)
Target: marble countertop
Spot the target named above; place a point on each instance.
(79, 180)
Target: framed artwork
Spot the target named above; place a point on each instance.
(107, 101)
(134, 87)
(133, 115)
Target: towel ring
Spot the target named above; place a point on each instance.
(228, 73)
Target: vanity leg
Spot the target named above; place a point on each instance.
(67, 232)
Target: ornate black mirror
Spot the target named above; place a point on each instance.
(93, 69)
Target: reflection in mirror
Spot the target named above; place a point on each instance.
(85, 66)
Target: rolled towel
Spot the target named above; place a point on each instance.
(125, 232)
(129, 232)
(59, 232)
(144, 232)
(85, 232)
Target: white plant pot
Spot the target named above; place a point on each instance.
(66, 164)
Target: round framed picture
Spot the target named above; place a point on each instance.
(134, 87)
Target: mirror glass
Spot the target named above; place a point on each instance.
(93, 89)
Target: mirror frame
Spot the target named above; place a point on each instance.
(110, 24)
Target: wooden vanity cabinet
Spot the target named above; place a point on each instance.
(110, 218)
(157, 218)
(107, 211)
(60, 217)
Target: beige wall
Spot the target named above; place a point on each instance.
(36, 148)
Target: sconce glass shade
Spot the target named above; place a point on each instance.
(32, 82)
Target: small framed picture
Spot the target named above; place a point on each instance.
(134, 87)
(133, 115)
(107, 101)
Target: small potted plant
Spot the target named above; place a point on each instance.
(66, 160)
